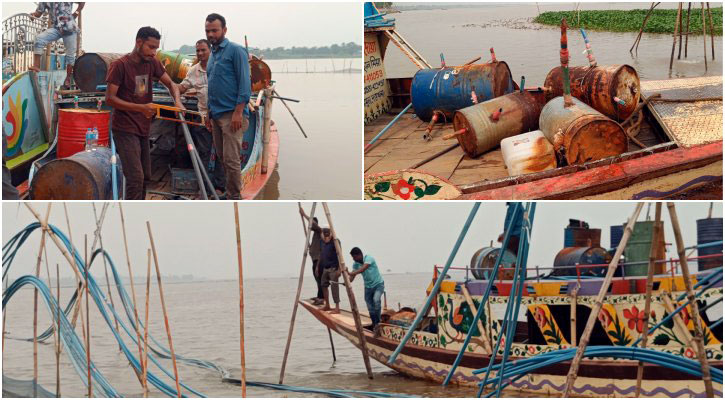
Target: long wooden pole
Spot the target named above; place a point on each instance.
(572, 314)
(297, 296)
(584, 340)
(635, 45)
(56, 317)
(679, 43)
(146, 327)
(163, 308)
(241, 301)
(712, 31)
(648, 294)
(704, 34)
(674, 35)
(57, 327)
(694, 309)
(77, 310)
(99, 237)
(350, 294)
(133, 297)
(474, 310)
(687, 27)
(35, 303)
(88, 324)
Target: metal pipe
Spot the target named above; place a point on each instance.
(194, 160)
(390, 124)
(564, 59)
(589, 51)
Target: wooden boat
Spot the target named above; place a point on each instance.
(680, 155)
(30, 119)
(430, 353)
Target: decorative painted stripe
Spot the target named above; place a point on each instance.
(27, 156)
(656, 194)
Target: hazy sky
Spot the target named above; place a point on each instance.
(199, 238)
(111, 26)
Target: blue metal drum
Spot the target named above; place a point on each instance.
(709, 230)
(452, 88)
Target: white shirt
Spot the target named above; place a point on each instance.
(196, 79)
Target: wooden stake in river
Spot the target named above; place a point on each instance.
(35, 302)
(694, 309)
(350, 294)
(163, 308)
(297, 297)
(241, 300)
(145, 364)
(88, 323)
(594, 313)
(704, 37)
(648, 294)
(674, 35)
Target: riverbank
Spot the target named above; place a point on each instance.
(661, 21)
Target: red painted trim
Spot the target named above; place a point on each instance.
(607, 178)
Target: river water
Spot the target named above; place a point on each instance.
(327, 164)
(532, 50)
(204, 319)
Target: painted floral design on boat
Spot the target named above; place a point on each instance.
(635, 318)
(401, 189)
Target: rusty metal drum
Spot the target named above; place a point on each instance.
(83, 176)
(452, 88)
(571, 256)
(484, 259)
(90, 70)
(580, 133)
(487, 123)
(612, 90)
(261, 74)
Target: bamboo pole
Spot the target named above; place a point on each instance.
(241, 300)
(57, 349)
(677, 319)
(146, 327)
(679, 43)
(133, 298)
(350, 294)
(290, 113)
(88, 324)
(648, 294)
(694, 309)
(474, 310)
(79, 283)
(635, 45)
(572, 314)
(163, 308)
(35, 303)
(56, 317)
(712, 31)
(674, 35)
(297, 296)
(704, 34)
(267, 124)
(687, 27)
(105, 264)
(594, 313)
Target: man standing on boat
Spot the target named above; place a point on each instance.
(229, 94)
(63, 21)
(513, 244)
(330, 265)
(374, 284)
(130, 80)
(314, 252)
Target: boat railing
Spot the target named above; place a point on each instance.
(19, 34)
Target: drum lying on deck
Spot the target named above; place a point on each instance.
(487, 123)
(90, 70)
(583, 132)
(571, 256)
(484, 259)
(527, 153)
(82, 176)
(709, 230)
(72, 126)
(450, 89)
(598, 87)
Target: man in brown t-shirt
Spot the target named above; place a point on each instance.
(130, 80)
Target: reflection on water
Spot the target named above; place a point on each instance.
(532, 50)
(327, 164)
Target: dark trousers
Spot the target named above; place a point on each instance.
(318, 277)
(135, 155)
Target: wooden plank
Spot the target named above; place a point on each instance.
(489, 165)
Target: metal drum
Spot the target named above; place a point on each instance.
(488, 123)
(571, 256)
(599, 87)
(581, 133)
(578, 234)
(451, 88)
(90, 70)
(261, 74)
(709, 230)
(615, 235)
(484, 260)
(639, 247)
(82, 176)
(176, 64)
(72, 126)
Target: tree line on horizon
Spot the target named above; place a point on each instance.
(342, 50)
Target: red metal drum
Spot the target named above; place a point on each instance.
(72, 126)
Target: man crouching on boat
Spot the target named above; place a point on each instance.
(330, 265)
(374, 284)
(229, 91)
(130, 80)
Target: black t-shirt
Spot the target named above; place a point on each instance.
(328, 256)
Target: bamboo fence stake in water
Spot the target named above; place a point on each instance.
(105, 264)
(584, 340)
(679, 18)
(77, 310)
(163, 308)
(674, 35)
(297, 296)
(57, 327)
(290, 113)
(88, 324)
(350, 294)
(635, 45)
(146, 328)
(241, 300)
(704, 35)
(712, 31)
(694, 309)
(474, 310)
(687, 27)
(35, 302)
(133, 295)
(648, 294)
(56, 316)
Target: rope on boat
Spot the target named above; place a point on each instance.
(74, 345)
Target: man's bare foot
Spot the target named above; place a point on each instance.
(326, 308)
(335, 311)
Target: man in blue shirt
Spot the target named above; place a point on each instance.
(374, 284)
(229, 92)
